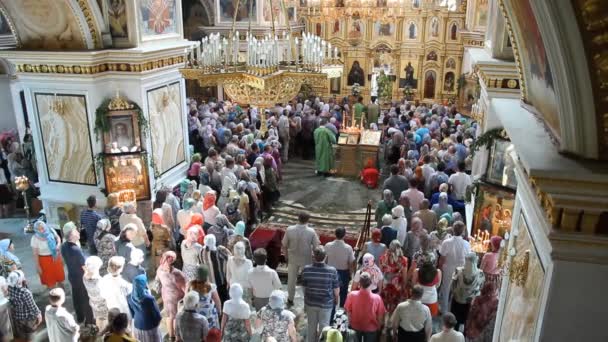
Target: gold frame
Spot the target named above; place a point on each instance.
(107, 138)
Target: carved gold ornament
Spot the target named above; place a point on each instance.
(88, 16)
(119, 103)
(99, 68)
(512, 84)
(518, 269)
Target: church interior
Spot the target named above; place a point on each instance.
(132, 102)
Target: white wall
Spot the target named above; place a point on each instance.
(7, 113)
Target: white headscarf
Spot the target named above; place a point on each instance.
(92, 266)
(16, 278)
(236, 307)
(399, 223)
(210, 242)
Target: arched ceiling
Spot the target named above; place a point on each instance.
(54, 24)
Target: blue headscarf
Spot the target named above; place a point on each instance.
(47, 235)
(4, 245)
(239, 228)
(140, 290)
(189, 203)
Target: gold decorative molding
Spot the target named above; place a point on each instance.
(88, 16)
(518, 269)
(592, 17)
(522, 83)
(87, 69)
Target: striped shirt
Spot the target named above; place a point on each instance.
(88, 220)
(320, 280)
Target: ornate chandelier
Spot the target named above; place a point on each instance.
(261, 71)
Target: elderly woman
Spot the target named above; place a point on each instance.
(8, 261)
(189, 324)
(113, 211)
(394, 268)
(215, 258)
(412, 242)
(210, 210)
(238, 267)
(236, 324)
(239, 236)
(184, 215)
(115, 287)
(275, 321)
(130, 217)
(145, 312)
(92, 282)
(104, 242)
(442, 207)
(172, 287)
(162, 238)
(222, 229)
(466, 285)
(191, 254)
(374, 271)
(385, 206)
(209, 304)
(24, 311)
(45, 245)
(489, 262)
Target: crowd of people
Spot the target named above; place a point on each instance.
(203, 282)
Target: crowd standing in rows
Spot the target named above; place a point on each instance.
(417, 265)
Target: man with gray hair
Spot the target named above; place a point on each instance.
(388, 232)
(385, 206)
(129, 216)
(189, 324)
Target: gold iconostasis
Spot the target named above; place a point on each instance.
(421, 51)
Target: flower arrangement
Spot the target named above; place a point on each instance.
(356, 89)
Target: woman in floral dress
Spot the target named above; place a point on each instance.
(91, 281)
(104, 242)
(191, 254)
(172, 288)
(236, 326)
(276, 321)
(394, 267)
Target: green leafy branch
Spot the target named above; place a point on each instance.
(487, 139)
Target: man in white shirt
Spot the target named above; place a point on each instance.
(448, 334)
(411, 319)
(453, 251)
(460, 181)
(262, 280)
(416, 196)
(298, 244)
(340, 255)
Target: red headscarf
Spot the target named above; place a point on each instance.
(157, 216)
(376, 235)
(209, 200)
(214, 335)
(196, 222)
(495, 242)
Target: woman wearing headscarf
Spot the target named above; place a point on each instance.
(244, 207)
(236, 324)
(239, 236)
(374, 271)
(466, 284)
(210, 210)
(270, 189)
(191, 253)
(116, 288)
(184, 216)
(162, 239)
(8, 261)
(92, 282)
(24, 311)
(215, 258)
(45, 245)
(482, 316)
(197, 222)
(394, 269)
(222, 229)
(399, 223)
(232, 211)
(374, 246)
(442, 207)
(489, 262)
(209, 304)
(145, 312)
(275, 321)
(172, 283)
(104, 242)
(238, 267)
(370, 174)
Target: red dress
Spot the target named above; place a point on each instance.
(393, 291)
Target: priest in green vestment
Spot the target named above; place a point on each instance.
(324, 153)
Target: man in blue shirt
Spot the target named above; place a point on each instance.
(321, 293)
(88, 220)
(74, 261)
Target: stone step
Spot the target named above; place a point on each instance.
(298, 206)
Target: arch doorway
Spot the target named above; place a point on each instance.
(429, 84)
